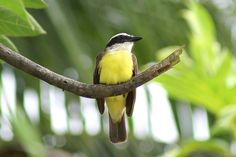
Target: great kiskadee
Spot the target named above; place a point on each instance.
(116, 64)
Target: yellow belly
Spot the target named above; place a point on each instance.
(116, 68)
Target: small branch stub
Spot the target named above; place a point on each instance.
(82, 89)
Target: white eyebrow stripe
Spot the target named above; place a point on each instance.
(125, 34)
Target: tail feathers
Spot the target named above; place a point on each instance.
(117, 131)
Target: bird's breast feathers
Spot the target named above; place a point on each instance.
(116, 67)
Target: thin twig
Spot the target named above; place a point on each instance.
(82, 89)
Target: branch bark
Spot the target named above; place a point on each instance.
(82, 89)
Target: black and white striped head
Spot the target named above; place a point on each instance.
(122, 41)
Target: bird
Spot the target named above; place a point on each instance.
(114, 65)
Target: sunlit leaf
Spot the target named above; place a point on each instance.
(224, 67)
(200, 22)
(35, 4)
(17, 7)
(183, 82)
(205, 76)
(12, 25)
(202, 38)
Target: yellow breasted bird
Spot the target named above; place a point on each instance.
(117, 64)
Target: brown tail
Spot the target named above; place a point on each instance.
(117, 131)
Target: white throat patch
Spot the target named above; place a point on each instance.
(126, 46)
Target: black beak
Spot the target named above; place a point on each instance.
(135, 38)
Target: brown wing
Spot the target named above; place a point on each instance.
(96, 76)
(130, 100)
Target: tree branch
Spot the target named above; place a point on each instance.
(82, 89)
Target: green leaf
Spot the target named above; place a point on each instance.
(214, 147)
(184, 83)
(7, 42)
(224, 68)
(36, 4)
(202, 41)
(17, 7)
(206, 78)
(12, 25)
(200, 22)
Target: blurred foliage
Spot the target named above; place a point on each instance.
(205, 76)
(27, 135)
(212, 148)
(226, 123)
(77, 30)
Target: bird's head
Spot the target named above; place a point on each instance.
(122, 41)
